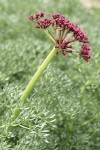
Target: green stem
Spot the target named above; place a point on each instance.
(36, 76)
(87, 122)
(50, 35)
(33, 81)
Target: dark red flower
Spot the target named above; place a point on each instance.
(85, 52)
(63, 45)
(56, 16)
(31, 17)
(66, 33)
(60, 21)
(78, 33)
(44, 23)
(37, 16)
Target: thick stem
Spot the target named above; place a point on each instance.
(36, 76)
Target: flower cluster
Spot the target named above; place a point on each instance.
(44, 23)
(36, 16)
(62, 27)
(63, 44)
(85, 52)
(78, 33)
(60, 21)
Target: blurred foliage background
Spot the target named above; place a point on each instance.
(63, 112)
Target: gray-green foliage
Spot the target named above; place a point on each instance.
(63, 112)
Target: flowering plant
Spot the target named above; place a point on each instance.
(63, 27)
(62, 43)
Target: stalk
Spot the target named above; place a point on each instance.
(33, 82)
(37, 75)
(50, 35)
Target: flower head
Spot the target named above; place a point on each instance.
(63, 28)
(85, 52)
(37, 16)
(44, 23)
(60, 21)
(63, 45)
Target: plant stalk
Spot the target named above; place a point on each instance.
(33, 81)
(38, 73)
